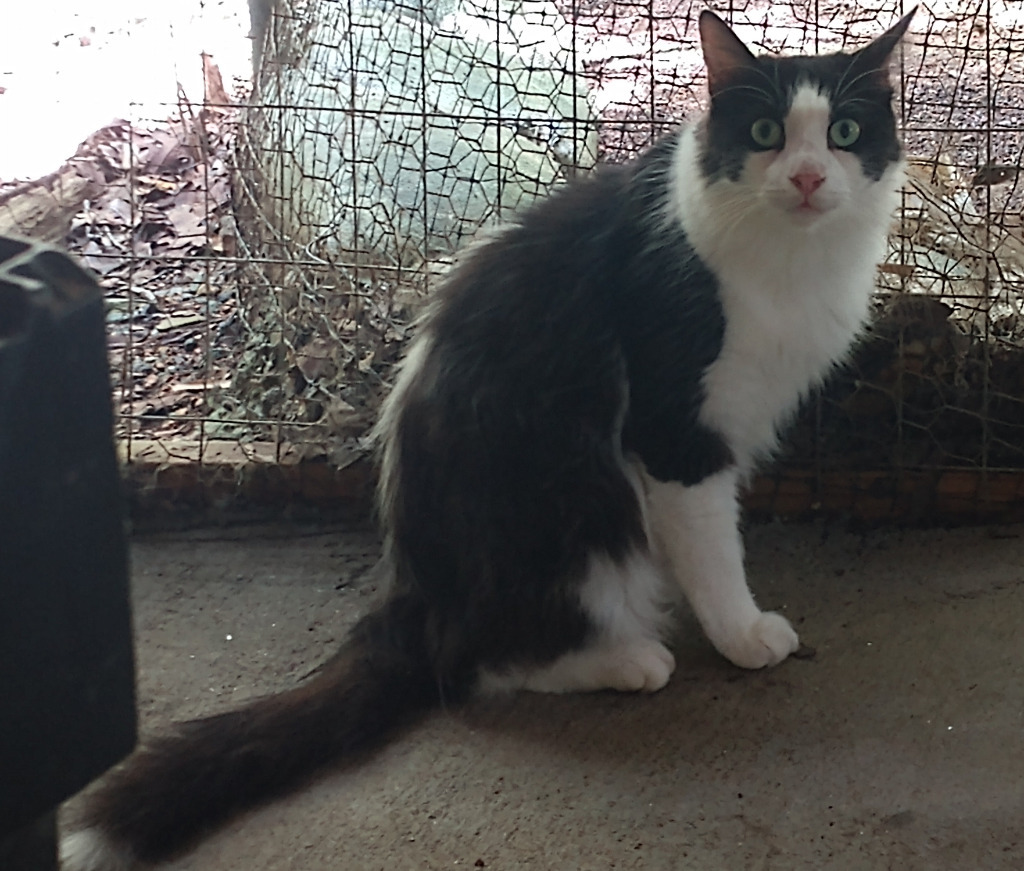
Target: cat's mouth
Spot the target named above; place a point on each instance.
(807, 211)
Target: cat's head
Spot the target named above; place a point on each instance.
(807, 137)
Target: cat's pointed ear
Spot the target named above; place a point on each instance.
(873, 60)
(724, 53)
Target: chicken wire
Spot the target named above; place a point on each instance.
(379, 138)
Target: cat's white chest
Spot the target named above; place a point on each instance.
(786, 326)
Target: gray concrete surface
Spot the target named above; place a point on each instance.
(900, 745)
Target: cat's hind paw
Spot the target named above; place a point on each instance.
(640, 667)
(767, 641)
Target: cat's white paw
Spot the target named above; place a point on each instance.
(766, 641)
(642, 666)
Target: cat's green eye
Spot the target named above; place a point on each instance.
(844, 132)
(766, 133)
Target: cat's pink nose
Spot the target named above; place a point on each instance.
(807, 182)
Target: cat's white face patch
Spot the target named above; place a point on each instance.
(806, 179)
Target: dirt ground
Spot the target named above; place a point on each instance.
(899, 745)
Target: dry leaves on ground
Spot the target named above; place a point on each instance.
(160, 236)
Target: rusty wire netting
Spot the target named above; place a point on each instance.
(380, 137)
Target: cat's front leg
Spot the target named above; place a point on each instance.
(696, 532)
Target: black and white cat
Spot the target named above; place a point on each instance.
(587, 393)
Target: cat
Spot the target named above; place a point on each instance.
(566, 441)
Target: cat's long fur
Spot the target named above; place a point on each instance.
(585, 396)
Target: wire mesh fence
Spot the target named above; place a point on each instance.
(265, 256)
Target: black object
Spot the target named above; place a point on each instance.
(66, 665)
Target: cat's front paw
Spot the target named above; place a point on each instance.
(766, 641)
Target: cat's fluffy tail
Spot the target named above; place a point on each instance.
(177, 786)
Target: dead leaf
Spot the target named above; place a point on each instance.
(315, 360)
(99, 260)
(161, 184)
(118, 209)
(199, 386)
(184, 221)
(172, 151)
(215, 92)
(365, 363)
(174, 322)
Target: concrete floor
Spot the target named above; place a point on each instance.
(900, 745)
